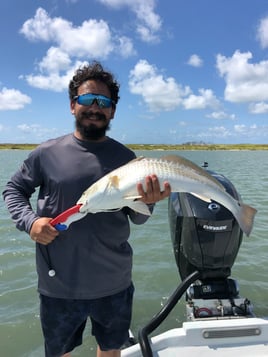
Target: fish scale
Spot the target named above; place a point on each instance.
(165, 168)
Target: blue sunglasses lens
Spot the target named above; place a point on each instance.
(89, 99)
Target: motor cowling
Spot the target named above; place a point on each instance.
(205, 236)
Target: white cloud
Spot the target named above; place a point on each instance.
(218, 131)
(210, 134)
(13, 99)
(92, 39)
(56, 60)
(195, 61)
(126, 47)
(249, 131)
(221, 115)
(237, 133)
(164, 93)
(36, 131)
(206, 99)
(146, 34)
(158, 92)
(52, 80)
(29, 128)
(262, 32)
(240, 128)
(149, 23)
(258, 108)
(245, 82)
(38, 28)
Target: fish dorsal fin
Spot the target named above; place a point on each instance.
(183, 161)
(139, 158)
(188, 163)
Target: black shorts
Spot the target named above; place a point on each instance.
(63, 321)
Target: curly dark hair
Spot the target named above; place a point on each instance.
(94, 71)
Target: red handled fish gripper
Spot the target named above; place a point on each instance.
(63, 220)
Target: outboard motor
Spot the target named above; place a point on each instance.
(206, 238)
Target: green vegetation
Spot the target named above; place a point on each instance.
(18, 146)
(163, 146)
(199, 147)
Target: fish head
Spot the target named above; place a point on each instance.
(92, 197)
(101, 196)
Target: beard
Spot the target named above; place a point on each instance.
(92, 131)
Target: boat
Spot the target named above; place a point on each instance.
(206, 239)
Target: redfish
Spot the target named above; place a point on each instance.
(119, 188)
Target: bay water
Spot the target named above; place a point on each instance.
(155, 273)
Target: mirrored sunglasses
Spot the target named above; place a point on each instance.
(89, 98)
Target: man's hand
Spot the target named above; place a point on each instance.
(42, 231)
(152, 192)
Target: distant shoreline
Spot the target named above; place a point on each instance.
(161, 147)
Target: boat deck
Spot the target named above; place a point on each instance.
(246, 337)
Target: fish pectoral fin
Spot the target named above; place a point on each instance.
(136, 205)
(203, 198)
(114, 181)
(140, 207)
(132, 197)
(110, 209)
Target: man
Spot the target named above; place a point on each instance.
(84, 271)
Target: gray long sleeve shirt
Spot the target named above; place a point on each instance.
(93, 257)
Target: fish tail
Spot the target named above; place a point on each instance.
(246, 218)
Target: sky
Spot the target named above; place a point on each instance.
(189, 70)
